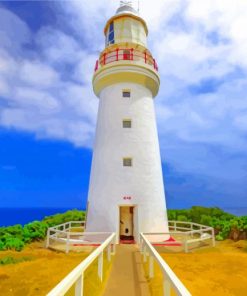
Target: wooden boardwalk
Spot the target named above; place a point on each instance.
(127, 274)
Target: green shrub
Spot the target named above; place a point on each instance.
(2, 246)
(172, 215)
(223, 223)
(13, 243)
(218, 237)
(35, 231)
(15, 237)
(73, 215)
(182, 218)
(206, 220)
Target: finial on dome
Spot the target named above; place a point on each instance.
(126, 7)
(128, 3)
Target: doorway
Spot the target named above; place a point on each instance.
(126, 223)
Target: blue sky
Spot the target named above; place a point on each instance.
(48, 110)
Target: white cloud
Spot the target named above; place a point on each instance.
(38, 74)
(41, 100)
(85, 68)
(157, 13)
(38, 93)
(58, 47)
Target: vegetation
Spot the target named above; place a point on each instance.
(226, 225)
(15, 237)
(11, 260)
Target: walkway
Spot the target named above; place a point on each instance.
(127, 273)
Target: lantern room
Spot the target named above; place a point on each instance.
(126, 27)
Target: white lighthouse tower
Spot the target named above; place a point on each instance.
(126, 193)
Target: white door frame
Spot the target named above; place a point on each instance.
(135, 220)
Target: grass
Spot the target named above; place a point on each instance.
(12, 260)
(79, 229)
(38, 276)
(209, 271)
(45, 270)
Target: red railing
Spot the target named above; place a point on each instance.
(126, 54)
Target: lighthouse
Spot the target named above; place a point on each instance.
(126, 191)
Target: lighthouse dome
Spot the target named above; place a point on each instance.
(126, 8)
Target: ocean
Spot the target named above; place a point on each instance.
(12, 216)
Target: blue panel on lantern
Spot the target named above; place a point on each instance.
(111, 33)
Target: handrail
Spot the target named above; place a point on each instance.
(76, 275)
(189, 231)
(68, 237)
(67, 223)
(63, 233)
(125, 54)
(78, 233)
(187, 222)
(170, 278)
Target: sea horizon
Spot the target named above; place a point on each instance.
(23, 215)
(12, 216)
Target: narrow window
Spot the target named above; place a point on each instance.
(127, 161)
(126, 93)
(127, 123)
(111, 34)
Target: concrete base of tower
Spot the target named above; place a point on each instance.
(128, 221)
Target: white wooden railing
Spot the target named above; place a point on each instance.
(65, 235)
(189, 230)
(170, 280)
(76, 276)
(62, 233)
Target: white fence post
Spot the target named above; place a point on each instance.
(100, 266)
(48, 238)
(67, 242)
(151, 266)
(79, 286)
(166, 286)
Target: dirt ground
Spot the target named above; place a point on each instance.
(208, 271)
(38, 276)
